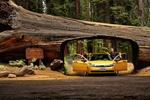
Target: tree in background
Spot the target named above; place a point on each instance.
(144, 12)
(127, 12)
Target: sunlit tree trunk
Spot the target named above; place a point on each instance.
(44, 6)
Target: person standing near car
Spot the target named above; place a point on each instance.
(112, 53)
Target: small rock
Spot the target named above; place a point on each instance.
(56, 64)
(12, 76)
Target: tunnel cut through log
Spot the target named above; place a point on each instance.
(132, 55)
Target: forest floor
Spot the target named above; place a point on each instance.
(45, 74)
(143, 72)
(48, 74)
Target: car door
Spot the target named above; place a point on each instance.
(121, 65)
(79, 65)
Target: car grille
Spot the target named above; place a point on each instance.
(98, 65)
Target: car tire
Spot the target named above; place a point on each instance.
(117, 73)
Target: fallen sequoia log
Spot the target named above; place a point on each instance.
(23, 71)
(21, 28)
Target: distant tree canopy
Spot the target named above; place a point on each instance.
(127, 12)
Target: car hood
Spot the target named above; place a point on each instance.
(101, 62)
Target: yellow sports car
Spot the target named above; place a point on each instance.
(97, 63)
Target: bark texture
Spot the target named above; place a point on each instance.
(21, 28)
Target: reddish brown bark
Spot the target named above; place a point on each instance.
(77, 6)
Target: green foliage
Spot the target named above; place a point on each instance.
(20, 62)
(98, 1)
(72, 47)
(85, 10)
(110, 11)
(63, 8)
(123, 46)
(2, 67)
(98, 45)
(120, 15)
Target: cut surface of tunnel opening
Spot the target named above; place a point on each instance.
(4, 27)
(100, 45)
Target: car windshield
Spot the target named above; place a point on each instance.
(99, 57)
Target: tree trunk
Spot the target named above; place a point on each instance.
(107, 15)
(77, 6)
(141, 9)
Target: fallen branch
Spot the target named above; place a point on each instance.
(24, 70)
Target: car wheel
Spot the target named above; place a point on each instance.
(117, 73)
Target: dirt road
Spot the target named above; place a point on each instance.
(86, 88)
